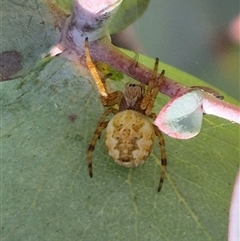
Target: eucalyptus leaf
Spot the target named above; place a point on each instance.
(129, 12)
(48, 119)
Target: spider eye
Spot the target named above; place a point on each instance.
(132, 85)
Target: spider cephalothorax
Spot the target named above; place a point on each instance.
(130, 133)
(132, 98)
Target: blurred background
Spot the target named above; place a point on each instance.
(199, 37)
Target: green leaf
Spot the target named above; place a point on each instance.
(65, 5)
(48, 116)
(129, 11)
(48, 120)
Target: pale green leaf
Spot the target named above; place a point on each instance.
(48, 119)
(129, 11)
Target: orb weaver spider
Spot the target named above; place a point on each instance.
(129, 133)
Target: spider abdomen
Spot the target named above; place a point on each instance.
(129, 138)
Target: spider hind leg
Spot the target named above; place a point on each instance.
(161, 141)
(102, 124)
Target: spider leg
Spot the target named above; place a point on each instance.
(152, 90)
(153, 79)
(158, 133)
(93, 71)
(102, 124)
(148, 93)
(107, 99)
(113, 98)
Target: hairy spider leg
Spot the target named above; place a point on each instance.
(148, 93)
(102, 124)
(152, 89)
(154, 77)
(112, 99)
(161, 141)
(93, 71)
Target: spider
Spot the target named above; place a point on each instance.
(129, 133)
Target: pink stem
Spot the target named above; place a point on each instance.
(114, 57)
(214, 106)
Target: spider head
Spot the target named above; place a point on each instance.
(132, 97)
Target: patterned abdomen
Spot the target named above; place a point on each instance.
(129, 138)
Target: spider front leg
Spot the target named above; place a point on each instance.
(107, 99)
(152, 90)
(113, 98)
(102, 124)
(93, 71)
(161, 141)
